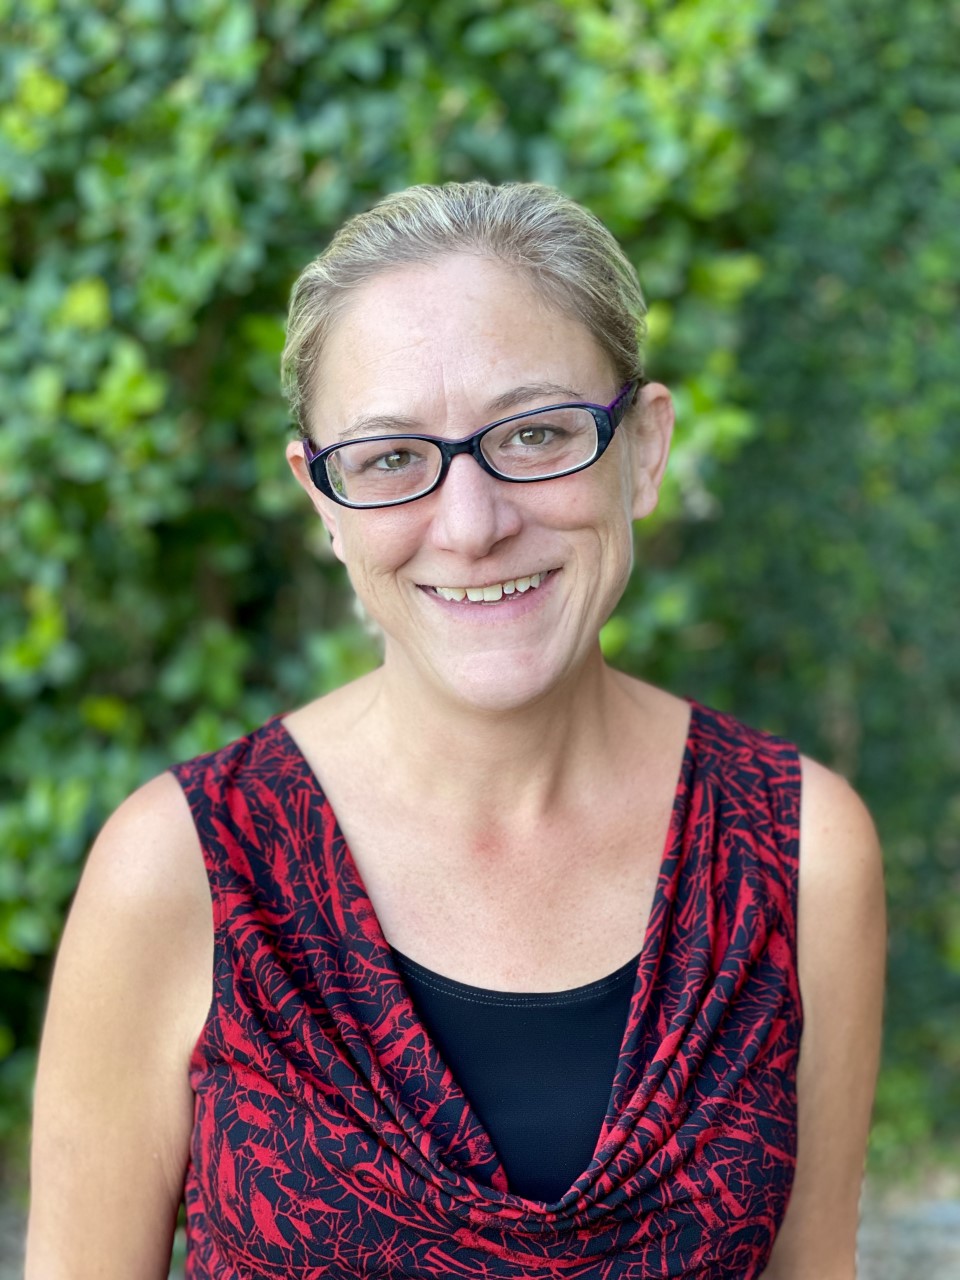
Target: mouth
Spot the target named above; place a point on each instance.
(493, 592)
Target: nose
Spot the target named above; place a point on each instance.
(473, 511)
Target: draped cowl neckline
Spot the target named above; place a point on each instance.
(463, 1149)
(313, 1054)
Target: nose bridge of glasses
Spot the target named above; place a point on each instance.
(472, 445)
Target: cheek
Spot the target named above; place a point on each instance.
(609, 515)
(377, 543)
(598, 499)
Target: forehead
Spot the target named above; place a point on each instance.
(436, 342)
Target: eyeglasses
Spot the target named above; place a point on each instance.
(541, 444)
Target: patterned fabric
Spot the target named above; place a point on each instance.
(330, 1138)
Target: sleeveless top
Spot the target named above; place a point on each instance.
(330, 1137)
(536, 1067)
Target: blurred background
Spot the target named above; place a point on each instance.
(785, 174)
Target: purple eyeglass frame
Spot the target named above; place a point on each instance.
(607, 417)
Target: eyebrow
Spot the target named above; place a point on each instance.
(375, 424)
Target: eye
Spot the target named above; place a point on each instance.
(362, 458)
(396, 460)
(534, 436)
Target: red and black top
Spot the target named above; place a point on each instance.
(332, 1140)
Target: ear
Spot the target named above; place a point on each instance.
(650, 432)
(328, 511)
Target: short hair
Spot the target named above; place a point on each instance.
(569, 256)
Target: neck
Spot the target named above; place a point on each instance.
(519, 764)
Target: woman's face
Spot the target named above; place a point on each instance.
(444, 349)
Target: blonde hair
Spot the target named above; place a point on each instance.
(570, 257)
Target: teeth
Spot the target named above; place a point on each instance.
(492, 593)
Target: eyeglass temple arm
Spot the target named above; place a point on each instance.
(627, 392)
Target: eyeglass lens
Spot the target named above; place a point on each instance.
(397, 468)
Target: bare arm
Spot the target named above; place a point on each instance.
(113, 1105)
(842, 957)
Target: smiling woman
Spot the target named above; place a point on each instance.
(495, 962)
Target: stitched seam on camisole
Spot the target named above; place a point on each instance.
(505, 999)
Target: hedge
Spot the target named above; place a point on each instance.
(779, 173)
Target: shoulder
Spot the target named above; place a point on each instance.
(146, 858)
(141, 919)
(841, 905)
(133, 978)
(841, 919)
(841, 864)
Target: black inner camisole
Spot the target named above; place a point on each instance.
(537, 1068)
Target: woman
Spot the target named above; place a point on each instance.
(510, 953)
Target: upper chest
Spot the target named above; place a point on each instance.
(555, 902)
(543, 913)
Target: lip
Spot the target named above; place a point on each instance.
(503, 610)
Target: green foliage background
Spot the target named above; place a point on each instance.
(785, 177)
